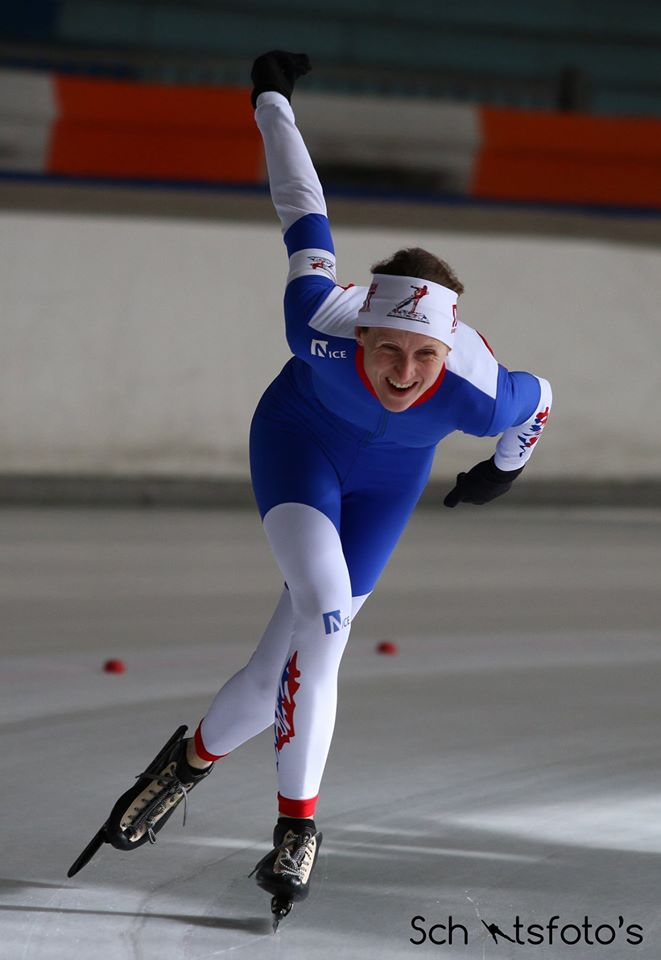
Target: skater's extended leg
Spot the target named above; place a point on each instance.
(307, 546)
(244, 705)
(243, 708)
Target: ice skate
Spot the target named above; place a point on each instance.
(285, 872)
(145, 808)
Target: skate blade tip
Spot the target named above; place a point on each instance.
(90, 850)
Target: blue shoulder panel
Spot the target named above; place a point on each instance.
(312, 230)
(303, 297)
(518, 395)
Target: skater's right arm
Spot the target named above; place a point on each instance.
(296, 192)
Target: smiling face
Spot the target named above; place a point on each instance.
(400, 365)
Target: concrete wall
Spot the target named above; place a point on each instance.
(133, 346)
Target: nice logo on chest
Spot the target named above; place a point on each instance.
(319, 348)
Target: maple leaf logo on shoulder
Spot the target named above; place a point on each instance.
(325, 264)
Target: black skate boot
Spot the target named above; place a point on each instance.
(285, 872)
(143, 810)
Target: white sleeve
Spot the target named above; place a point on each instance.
(295, 187)
(515, 446)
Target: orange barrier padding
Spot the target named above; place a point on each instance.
(132, 130)
(129, 102)
(530, 155)
(158, 154)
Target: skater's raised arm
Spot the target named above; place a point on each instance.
(295, 188)
(298, 199)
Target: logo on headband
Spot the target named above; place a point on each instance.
(370, 293)
(412, 301)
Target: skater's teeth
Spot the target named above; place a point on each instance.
(399, 386)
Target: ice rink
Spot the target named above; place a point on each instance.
(504, 765)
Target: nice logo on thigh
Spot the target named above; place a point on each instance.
(333, 621)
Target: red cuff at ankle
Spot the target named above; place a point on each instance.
(297, 808)
(202, 751)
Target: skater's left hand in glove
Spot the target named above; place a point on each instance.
(278, 70)
(483, 483)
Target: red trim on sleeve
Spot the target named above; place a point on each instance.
(202, 751)
(296, 808)
(486, 343)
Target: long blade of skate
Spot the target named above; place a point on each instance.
(280, 909)
(92, 847)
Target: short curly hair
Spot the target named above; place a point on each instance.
(419, 263)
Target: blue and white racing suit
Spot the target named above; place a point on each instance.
(336, 476)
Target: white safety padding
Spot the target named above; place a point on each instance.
(393, 132)
(134, 346)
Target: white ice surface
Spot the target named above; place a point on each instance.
(505, 763)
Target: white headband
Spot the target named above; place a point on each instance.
(408, 303)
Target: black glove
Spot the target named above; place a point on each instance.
(483, 483)
(277, 70)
